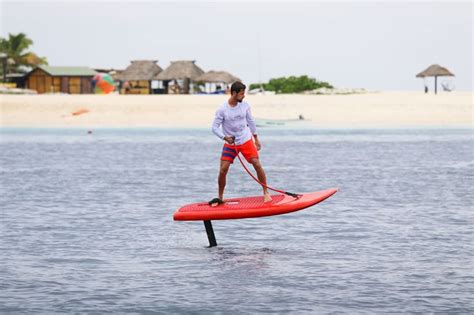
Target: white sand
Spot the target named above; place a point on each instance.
(373, 110)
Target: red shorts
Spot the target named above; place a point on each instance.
(248, 150)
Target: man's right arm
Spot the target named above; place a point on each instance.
(216, 125)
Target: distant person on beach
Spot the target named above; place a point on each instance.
(126, 87)
(174, 88)
(234, 124)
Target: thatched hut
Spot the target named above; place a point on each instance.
(184, 70)
(137, 77)
(215, 80)
(435, 71)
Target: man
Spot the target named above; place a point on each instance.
(239, 133)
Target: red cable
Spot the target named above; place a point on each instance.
(256, 179)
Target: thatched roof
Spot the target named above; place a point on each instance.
(180, 70)
(217, 77)
(434, 70)
(141, 70)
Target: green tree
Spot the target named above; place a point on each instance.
(292, 84)
(19, 58)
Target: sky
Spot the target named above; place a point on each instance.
(377, 45)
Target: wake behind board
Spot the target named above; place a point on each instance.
(250, 207)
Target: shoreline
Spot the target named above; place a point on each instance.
(203, 128)
(380, 110)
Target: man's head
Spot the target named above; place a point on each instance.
(237, 90)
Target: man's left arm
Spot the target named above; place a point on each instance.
(253, 128)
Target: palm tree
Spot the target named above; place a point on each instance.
(19, 58)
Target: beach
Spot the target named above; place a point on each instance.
(394, 109)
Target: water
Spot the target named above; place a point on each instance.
(86, 223)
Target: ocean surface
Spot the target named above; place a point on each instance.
(86, 223)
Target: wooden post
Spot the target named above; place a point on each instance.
(186, 86)
(4, 64)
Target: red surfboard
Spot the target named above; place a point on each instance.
(251, 207)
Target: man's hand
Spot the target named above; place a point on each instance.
(257, 144)
(229, 139)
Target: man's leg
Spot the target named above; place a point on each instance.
(261, 177)
(224, 168)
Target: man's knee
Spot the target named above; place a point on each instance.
(224, 169)
(255, 162)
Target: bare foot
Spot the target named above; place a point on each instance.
(267, 198)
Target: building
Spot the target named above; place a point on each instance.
(138, 77)
(72, 80)
(182, 73)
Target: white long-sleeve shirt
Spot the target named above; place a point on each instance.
(235, 121)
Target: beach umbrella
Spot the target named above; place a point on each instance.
(435, 71)
(103, 83)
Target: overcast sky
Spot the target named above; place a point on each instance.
(375, 45)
